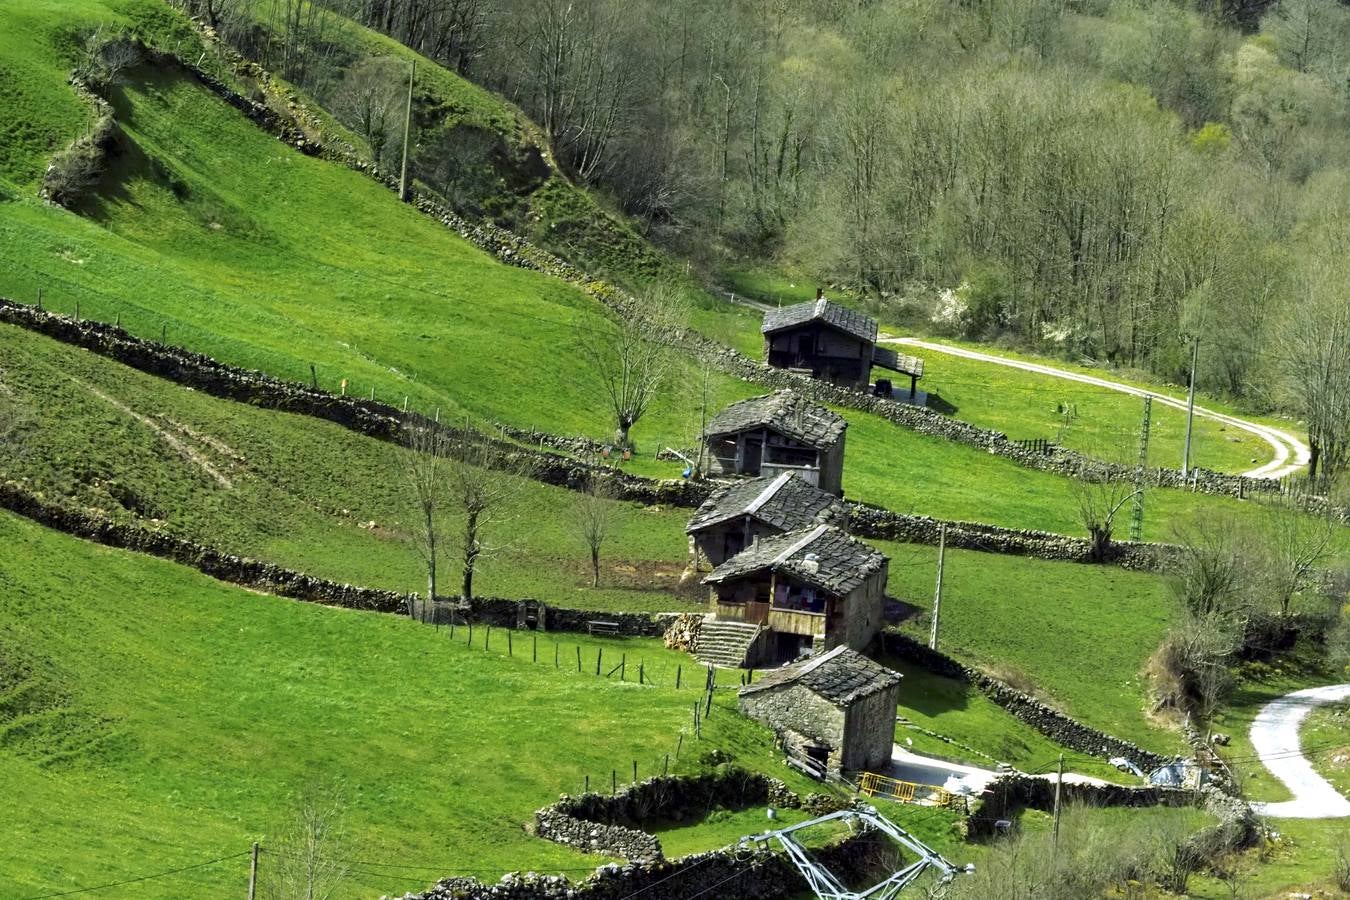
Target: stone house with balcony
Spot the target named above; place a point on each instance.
(831, 343)
(834, 712)
(738, 514)
(814, 589)
(777, 433)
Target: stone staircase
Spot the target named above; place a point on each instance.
(725, 643)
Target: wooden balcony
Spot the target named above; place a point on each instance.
(796, 621)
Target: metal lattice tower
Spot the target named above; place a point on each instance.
(1141, 466)
(827, 886)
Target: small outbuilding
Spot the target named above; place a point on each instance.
(832, 343)
(740, 513)
(807, 590)
(777, 433)
(834, 712)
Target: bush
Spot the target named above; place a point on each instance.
(1341, 871)
(72, 172)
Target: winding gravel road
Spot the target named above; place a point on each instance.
(1275, 737)
(1291, 454)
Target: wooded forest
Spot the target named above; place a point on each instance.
(1105, 179)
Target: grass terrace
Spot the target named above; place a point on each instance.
(207, 710)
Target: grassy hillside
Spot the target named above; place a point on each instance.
(1026, 405)
(300, 492)
(206, 710)
(1080, 640)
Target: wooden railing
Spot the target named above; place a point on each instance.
(796, 621)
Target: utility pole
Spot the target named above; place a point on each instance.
(407, 135)
(1140, 467)
(1190, 407)
(1059, 786)
(937, 591)
(253, 874)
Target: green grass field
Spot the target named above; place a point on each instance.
(301, 492)
(206, 710)
(1027, 405)
(1080, 634)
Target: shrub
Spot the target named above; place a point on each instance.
(1341, 870)
(72, 172)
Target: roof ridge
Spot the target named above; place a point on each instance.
(816, 662)
(810, 538)
(768, 493)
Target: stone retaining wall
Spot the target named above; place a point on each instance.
(283, 582)
(719, 874)
(1051, 722)
(1236, 829)
(874, 522)
(611, 824)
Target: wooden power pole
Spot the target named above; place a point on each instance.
(937, 590)
(1059, 787)
(253, 874)
(1190, 408)
(407, 135)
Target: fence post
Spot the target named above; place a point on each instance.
(642, 672)
(678, 669)
(613, 782)
(678, 746)
(623, 662)
(599, 652)
(578, 657)
(555, 655)
(487, 639)
(635, 771)
(253, 874)
(587, 789)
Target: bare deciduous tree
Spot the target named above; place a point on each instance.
(1316, 355)
(1295, 544)
(595, 518)
(1099, 502)
(371, 100)
(633, 357)
(425, 471)
(482, 479)
(307, 858)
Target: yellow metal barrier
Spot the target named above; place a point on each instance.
(874, 785)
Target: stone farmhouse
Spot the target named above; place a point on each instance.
(777, 433)
(740, 513)
(832, 343)
(834, 712)
(814, 589)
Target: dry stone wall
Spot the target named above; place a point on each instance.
(612, 824)
(1054, 724)
(283, 582)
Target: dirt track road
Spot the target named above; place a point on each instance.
(1290, 454)
(1275, 737)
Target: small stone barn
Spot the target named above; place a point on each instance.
(831, 342)
(777, 433)
(738, 514)
(834, 712)
(811, 589)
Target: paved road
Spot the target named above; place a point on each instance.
(1290, 454)
(906, 765)
(1275, 736)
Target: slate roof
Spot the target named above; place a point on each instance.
(786, 412)
(841, 563)
(832, 314)
(842, 676)
(786, 503)
(897, 362)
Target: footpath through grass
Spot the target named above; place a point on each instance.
(151, 718)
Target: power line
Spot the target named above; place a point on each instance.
(139, 878)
